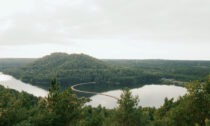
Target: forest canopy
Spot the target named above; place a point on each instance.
(63, 108)
(77, 68)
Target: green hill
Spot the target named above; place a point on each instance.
(77, 68)
(109, 74)
(66, 61)
(182, 70)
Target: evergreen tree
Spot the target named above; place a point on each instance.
(127, 112)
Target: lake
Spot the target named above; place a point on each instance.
(150, 95)
(12, 83)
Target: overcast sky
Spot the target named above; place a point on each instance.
(122, 29)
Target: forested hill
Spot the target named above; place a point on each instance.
(110, 74)
(77, 68)
(65, 61)
(183, 70)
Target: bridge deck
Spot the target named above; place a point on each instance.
(88, 92)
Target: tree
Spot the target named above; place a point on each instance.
(127, 112)
(207, 122)
(191, 109)
(199, 93)
(60, 108)
(161, 112)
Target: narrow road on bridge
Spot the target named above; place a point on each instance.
(87, 92)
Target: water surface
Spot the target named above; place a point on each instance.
(12, 83)
(149, 95)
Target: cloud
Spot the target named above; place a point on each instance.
(106, 28)
(63, 21)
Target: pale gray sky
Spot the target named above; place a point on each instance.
(130, 29)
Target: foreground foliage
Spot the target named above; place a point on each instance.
(63, 108)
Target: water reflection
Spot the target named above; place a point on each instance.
(150, 96)
(11, 82)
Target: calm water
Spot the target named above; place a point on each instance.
(11, 82)
(149, 95)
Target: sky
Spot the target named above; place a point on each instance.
(106, 29)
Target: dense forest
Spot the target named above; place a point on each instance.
(109, 74)
(183, 70)
(10, 63)
(77, 68)
(63, 108)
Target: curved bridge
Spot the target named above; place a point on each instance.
(87, 92)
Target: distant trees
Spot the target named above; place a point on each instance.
(75, 68)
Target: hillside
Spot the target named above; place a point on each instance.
(77, 68)
(183, 70)
(110, 74)
(66, 61)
